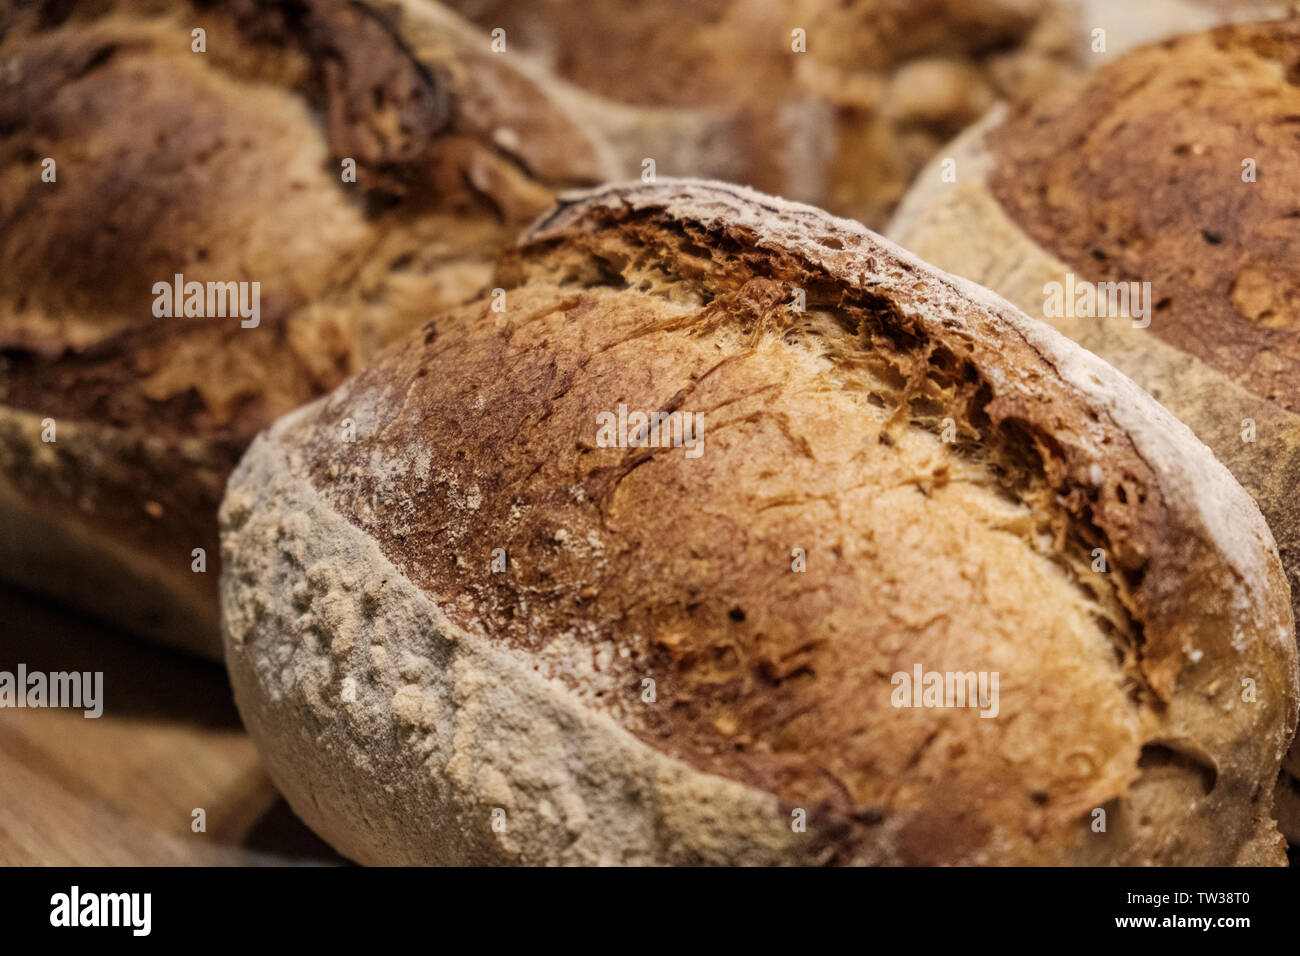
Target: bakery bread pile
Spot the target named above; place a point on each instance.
(671, 522)
(1190, 211)
(507, 620)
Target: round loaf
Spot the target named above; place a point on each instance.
(1173, 166)
(226, 165)
(473, 614)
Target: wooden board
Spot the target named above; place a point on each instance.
(121, 789)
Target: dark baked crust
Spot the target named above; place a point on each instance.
(1134, 173)
(479, 434)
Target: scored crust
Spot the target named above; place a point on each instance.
(1221, 349)
(359, 571)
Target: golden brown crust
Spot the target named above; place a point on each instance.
(1139, 172)
(225, 166)
(1258, 440)
(1135, 173)
(822, 433)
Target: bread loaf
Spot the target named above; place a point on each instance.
(1174, 167)
(159, 142)
(519, 617)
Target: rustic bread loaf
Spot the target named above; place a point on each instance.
(1174, 166)
(477, 611)
(226, 165)
(842, 114)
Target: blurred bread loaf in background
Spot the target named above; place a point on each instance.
(129, 157)
(843, 101)
(833, 102)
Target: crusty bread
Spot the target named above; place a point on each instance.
(1151, 189)
(477, 631)
(226, 166)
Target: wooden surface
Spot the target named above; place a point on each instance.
(121, 789)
